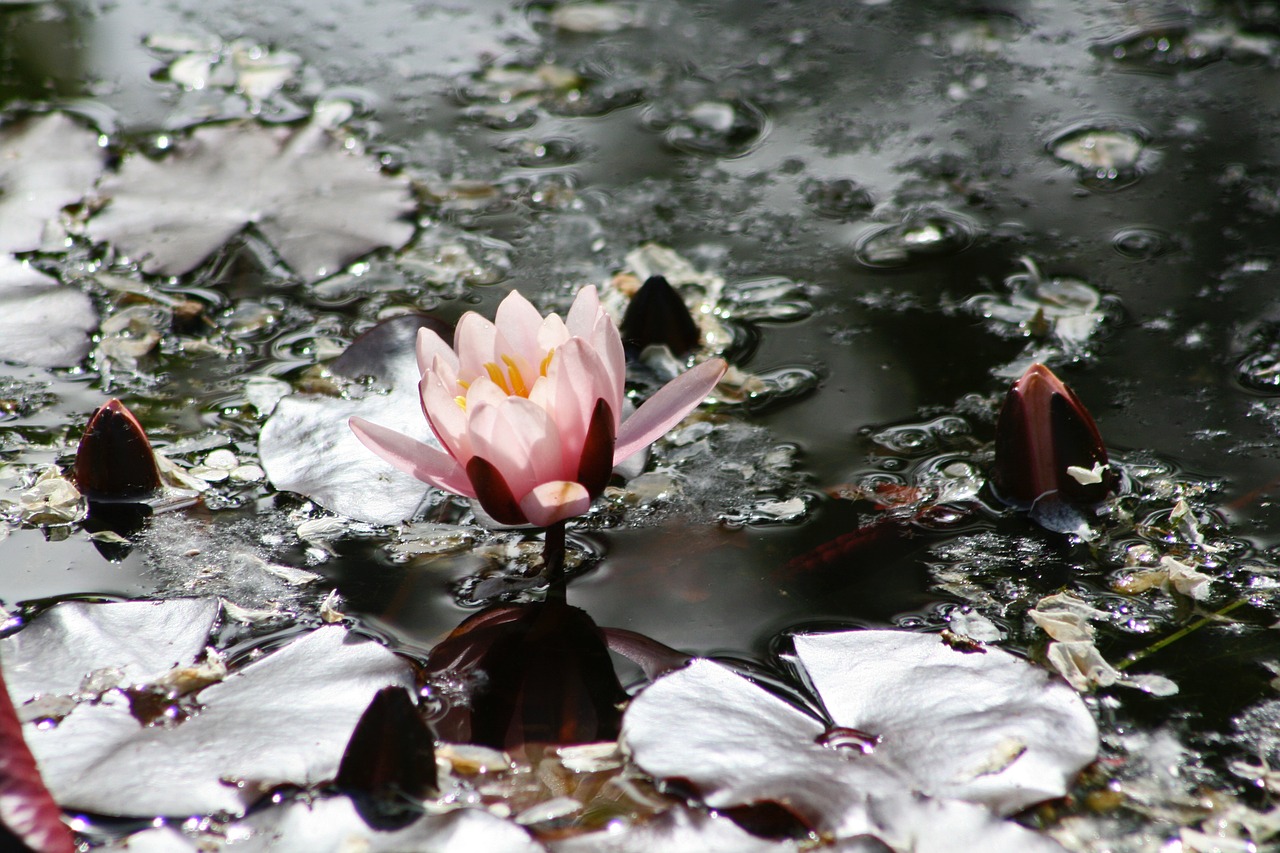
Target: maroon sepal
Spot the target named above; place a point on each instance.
(657, 315)
(596, 463)
(389, 765)
(29, 817)
(115, 460)
(1042, 430)
(493, 492)
(539, 674)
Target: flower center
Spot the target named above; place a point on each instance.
(508, 377)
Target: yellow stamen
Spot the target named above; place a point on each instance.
(517, 381)
(495, 373)
(546, 362)
(465, 386)
(462, 402)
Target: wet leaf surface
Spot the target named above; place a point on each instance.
(29, 817)
(46, 163)
(284, 719)
(307, 446)
(42, 323)
(976, 725)
(333, 824)
(318, 206)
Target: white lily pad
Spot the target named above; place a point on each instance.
(740, 745)
(940, 738)
(135, 641)
(332, 825)
(318, 205)
(41, 322)
(677, 830)
(285, 719)
(982, 726)
(307, 447)
(46, 163)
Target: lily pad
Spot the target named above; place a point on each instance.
(922, 733)
(284, 719)
(332, 825)
(42, 323)
(677, 830)
(982, 726)
(134, 641)
(307, 447)
(319, 206)
(46, 163)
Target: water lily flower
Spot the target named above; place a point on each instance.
(528, 410)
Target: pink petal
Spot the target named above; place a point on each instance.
(551, 334)
(484, 391)
(667, 408)
(575, 380)
(521, 441)
(583, 312)
(413, 457)
(607, 342)
(430, 347)
(519, 322)
(555, 501)
(475, 341)
(447, 419)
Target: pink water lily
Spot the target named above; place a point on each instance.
(528, 410)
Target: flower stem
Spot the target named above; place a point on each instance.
(1179, 634)
(553, 558)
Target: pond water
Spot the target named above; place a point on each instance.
(906, 172)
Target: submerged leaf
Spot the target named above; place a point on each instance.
(319, 206)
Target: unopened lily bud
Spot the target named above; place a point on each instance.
(1047, 445)
(115, 461)
(390, 760)
(657, 316)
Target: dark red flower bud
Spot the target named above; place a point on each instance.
(389, 765)
(1047, 445)
(115, 461)
(657, 315)
(596, 464)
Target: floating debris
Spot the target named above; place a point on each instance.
(1106, 158)
(712, 127)
(52, 500)
(928, 232)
